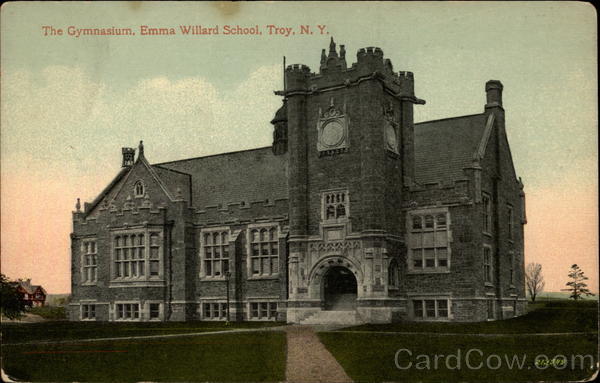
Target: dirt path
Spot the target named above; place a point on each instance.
(308, 360)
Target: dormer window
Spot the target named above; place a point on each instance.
(335, 205)
(139, 189)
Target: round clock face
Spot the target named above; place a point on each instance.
(390, 137)
(333, 133)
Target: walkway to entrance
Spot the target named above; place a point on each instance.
(308, 360)
(339, 289)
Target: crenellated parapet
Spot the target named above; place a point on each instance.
(438, 193)
(243, 212)
(335, 74)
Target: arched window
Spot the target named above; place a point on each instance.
(139, 189)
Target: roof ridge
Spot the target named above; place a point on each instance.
(450, 118)
(211, 155)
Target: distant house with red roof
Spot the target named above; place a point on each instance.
(32, 295)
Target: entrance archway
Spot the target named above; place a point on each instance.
(339, 289)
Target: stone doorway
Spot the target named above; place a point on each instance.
(339, 289)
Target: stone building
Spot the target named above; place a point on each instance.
(355, 213)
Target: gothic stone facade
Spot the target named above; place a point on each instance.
(353, 202)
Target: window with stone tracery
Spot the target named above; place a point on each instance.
(264, 251)
(335, 205)
(215, 253)
(89, 262)
(135, 257)
(429, 248)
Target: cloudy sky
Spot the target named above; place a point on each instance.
(70, 103)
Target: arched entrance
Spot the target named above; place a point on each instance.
(339, 289)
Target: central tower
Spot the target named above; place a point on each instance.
(350, 143)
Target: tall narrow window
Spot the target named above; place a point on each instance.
(335, 205)
(511, 261)
(215, 253)
(139, 189)
(393, 278)
(486, 210)
(154, 261)
(429, 247)
(264, 251)
(487, 264)
(490, 309)
(511, 222)
(89, 262)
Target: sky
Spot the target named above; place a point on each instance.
(70, 103)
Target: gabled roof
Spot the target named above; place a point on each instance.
(28, 287)
(172, 183)
(443, 148)
(176, 182)
(248, 175)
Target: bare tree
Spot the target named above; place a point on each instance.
(577, 286)
(534, 279)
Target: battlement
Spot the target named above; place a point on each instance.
(334, 72)
(406, 80)
(298, 68)
(438, 193)
(376, 51)
(242, 211)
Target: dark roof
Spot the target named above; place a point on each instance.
(444, 147)
(174, 181)
(248, 175)
(28, 287)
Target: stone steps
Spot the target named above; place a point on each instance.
(338, 317)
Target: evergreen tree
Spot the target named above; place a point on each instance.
(577, 285)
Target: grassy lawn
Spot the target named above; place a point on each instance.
(251, 357)
(372, 356)
(46, 331)
(548, 317)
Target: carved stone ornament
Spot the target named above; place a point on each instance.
(332, 129)
(390, 129)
